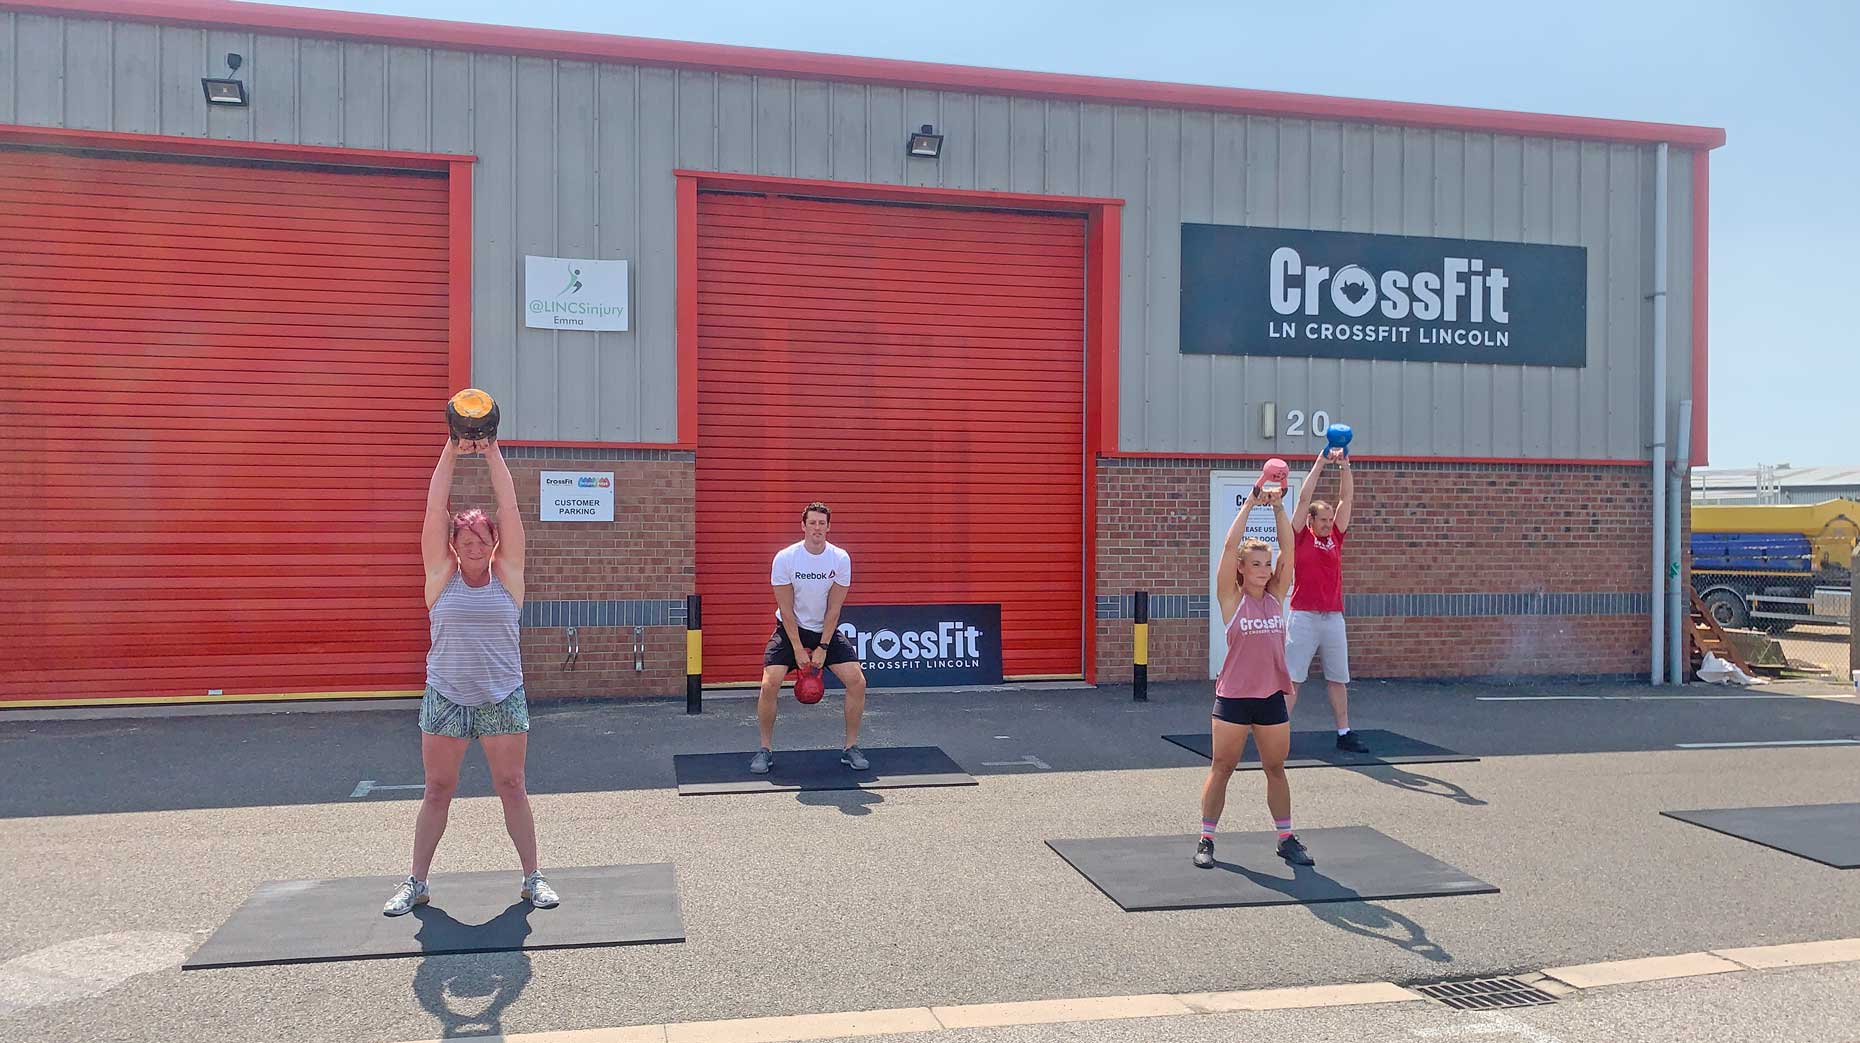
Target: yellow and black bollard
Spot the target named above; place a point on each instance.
(1140, 649)
(694, 654)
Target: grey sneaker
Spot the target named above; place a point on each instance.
(1293, 850)
(853, 759)
(410, 893)
(759, 764)
(1204, 853)
(538, 891)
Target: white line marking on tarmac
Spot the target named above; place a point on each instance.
(1496, 1024)
(367, 786)
(1752, 695)
(1629, 698)
(86, 967)
(1778, 742)
(1026, 761)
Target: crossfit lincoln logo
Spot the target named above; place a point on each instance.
(951, 644)
(909, 645)
(571, 293)
(1464, 289)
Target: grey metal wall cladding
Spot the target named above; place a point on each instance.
(644, 613)
(575, 159)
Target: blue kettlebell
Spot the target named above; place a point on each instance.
(1339, 437)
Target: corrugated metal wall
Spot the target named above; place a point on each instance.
(575, 160)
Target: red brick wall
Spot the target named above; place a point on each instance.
(647, 552)
(1494, 646)
(1417, 528)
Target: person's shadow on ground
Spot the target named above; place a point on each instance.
(490, 981)
(1414, 782)
(854, 802)
(1353, 915)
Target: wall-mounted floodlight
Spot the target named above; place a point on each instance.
(225, 91)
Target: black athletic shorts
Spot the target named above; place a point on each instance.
(781, 653)
(1270, 710)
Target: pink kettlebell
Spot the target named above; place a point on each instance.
(1275, 472)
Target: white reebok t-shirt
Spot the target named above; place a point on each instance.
(813, 576)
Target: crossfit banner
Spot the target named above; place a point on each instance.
(917, 646)
(1349, 295)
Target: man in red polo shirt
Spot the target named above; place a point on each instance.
(1317, 601)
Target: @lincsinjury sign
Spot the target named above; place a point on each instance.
(573, 293)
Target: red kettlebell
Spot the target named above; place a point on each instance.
(810, 686)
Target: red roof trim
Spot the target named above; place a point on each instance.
(1545, 461)
(803, 65)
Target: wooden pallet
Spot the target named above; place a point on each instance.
(1706, 636)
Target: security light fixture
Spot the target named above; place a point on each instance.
(926, 143)
(225, 91)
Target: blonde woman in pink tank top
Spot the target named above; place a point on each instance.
(1249, 694)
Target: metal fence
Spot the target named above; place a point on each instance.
(1807, 633)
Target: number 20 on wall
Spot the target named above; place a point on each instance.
(1295, 421)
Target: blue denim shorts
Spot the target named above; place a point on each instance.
(441, 716)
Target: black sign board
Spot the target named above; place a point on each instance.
(912, 646)
(1350, 295)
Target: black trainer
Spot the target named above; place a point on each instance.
(1349, 743)
(1204, 853)
(1294, 852)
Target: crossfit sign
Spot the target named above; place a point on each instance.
(583, 496)
(1347, 295)
(911, 646)
(572, 293)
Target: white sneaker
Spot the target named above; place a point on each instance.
(538, 891)
(410, 893)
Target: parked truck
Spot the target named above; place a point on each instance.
(1772, 566)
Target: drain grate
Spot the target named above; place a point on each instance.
(1485, 994)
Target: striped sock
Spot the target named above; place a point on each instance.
(1207, 828)
(1284, 826)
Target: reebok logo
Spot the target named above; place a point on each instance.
(814, 575)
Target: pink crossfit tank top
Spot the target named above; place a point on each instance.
(1255, 665)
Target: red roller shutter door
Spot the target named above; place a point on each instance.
(921, 370)
(222, 387)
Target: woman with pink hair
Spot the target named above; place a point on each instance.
(474, 668)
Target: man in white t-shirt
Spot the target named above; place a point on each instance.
(810, 579)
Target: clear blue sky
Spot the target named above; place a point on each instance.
(1782, 78)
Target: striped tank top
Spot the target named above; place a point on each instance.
(475, 657)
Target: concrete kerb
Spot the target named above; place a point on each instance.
(1562, 982)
